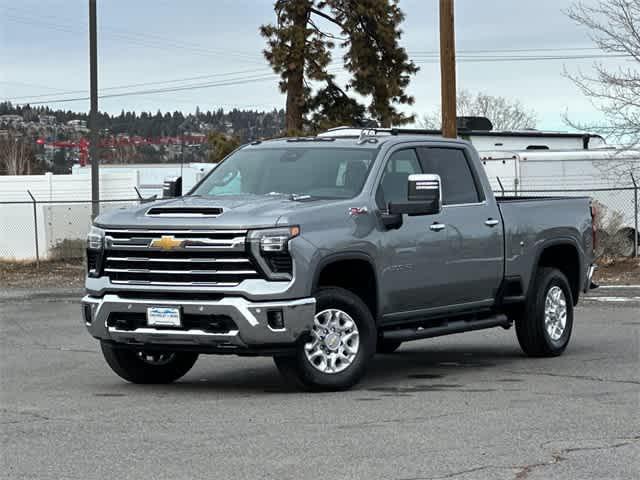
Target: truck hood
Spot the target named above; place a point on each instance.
(233, 211)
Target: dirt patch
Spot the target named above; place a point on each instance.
(50, 274)
(70, 273)
(619, 272)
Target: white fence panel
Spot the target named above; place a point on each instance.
(62, 227)
(49, 187)
(17, 235)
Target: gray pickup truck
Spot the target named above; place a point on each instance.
(321, 252)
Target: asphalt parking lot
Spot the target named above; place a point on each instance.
(467, 406)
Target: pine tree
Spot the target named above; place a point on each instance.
(380, 66)
(300, 52)
(297, 51)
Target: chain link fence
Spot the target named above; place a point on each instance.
(617, 215)
(34, 230)
(48, 229)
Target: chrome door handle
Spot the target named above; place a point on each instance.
(491, 222)
(436, 227)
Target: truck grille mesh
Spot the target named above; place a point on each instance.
(178, 257)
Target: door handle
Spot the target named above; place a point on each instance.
(436, 227)
(491, 222)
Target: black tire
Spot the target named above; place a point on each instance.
(129, 365)
(387, 346)
(299, 371)
(530, 325)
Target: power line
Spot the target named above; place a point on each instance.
(507, 50)
(134, 39)
(465, 59)
(143, 84)
(128, 33)
(159, 90)
(249, 56)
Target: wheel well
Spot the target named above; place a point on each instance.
(357, 276)
(566, 259)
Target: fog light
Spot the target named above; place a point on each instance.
(275, 319)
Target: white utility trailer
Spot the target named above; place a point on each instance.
(604, 174)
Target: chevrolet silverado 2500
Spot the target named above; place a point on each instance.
(321, 252)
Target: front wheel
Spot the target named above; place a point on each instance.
(340, 345)
(544, 327)
(137, 366)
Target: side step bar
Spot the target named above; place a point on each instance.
(456, 326)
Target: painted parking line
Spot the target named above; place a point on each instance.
(619, 286)
(614, 299)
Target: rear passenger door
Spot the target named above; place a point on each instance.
(473, 257)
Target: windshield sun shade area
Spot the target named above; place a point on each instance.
(317, 172)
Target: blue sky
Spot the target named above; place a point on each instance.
(44, 45)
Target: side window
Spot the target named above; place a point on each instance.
(393, 186)
(458, 184)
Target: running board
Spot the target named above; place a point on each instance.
(456, 326)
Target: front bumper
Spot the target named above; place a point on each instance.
(252, 329)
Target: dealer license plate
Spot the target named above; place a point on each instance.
(163, 317)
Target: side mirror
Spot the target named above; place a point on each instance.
(172, 187)
(424, 195)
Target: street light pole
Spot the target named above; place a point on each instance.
(448, 69)
(94, 156)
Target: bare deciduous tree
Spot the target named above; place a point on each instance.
(16, 156)
(504, 113)
(614, 26)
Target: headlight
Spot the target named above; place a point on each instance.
(270, 248)
(95, 238)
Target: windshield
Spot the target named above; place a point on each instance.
(316, 172)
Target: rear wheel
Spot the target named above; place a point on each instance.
(137, 366)
(544, 328)
(341, 343)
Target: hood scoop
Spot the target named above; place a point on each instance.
(184, 212)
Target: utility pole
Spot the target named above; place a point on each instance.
(448, 69)
(94, 156)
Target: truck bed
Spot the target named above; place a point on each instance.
(532, 223)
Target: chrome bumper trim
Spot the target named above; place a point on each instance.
(250, 318)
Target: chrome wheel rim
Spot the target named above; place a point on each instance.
(555, 313)
(156, 359)
(335, 341)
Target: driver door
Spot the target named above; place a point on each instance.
(412, 261)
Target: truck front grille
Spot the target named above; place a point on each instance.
(178, 257)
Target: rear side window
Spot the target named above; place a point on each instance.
(458, 183)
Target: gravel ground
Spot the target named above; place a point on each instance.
(465, 407)
(50, 274)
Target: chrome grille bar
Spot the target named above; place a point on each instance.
(179, 260)
(188, 257)
(181, 272)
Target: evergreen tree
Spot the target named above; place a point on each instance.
(300, 52)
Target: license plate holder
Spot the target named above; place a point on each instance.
(164, 317)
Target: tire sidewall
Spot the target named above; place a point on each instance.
(352, 305)
(130, 367)
(554, 278)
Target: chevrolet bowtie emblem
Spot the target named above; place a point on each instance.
(166, 242)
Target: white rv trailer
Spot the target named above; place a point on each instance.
(595, 173)
(490, 139)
